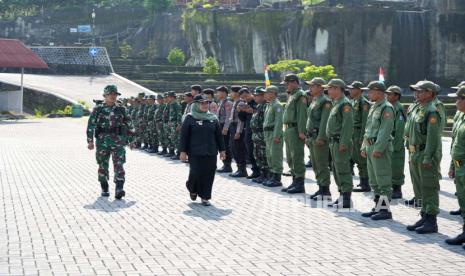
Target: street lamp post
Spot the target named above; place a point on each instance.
(93, 26)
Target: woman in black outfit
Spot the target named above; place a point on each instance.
(201, 140)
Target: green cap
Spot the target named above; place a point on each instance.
(336, 83)
(110, 89)
(159, 96)
(460, 93)
(152, 97)
(376, 85)
(459, 85)
(356, 84)
(426, 85)
(316, 81)
(289, 78)
(394, 89)
(141, 95)
(171, 94)
(259, 90)
(272, 89)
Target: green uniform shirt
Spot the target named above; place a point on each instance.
(399, 126)
(175, 112)
(295, 111)
(274, 118)
(318, 114)
(379, 126)
(361, 108)
(341, 121)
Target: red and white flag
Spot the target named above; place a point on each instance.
(381, 74)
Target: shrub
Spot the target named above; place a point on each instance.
(211, 66)
(176, 57)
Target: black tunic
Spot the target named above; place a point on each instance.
(201, 140)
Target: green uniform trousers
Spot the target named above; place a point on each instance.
(460, 186)
(397, 165)
(379, 172)
(341, 167)
(428, 183)
(320, 162)
(415, 177)
(274, 153)
(356, 157)
(295, 152)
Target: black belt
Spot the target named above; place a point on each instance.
(257, 129)
(334, 139)
(268, 128)
(115, 130)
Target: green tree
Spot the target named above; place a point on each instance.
(326, 72)
(125, 50)
(211, 66)
(157, 6)
(290, 66)
(176, 57)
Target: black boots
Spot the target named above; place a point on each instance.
(299, 186)
(163, 152)
(382, 208)
(255, 174)
(455, 212)
(104, 186)
(460, 239)
(417, 224)
(396, 192)
(170, 153)
(323, 193)
(309, 164)
(225, 169)
(284, 190)
(241, 172)
(262, 178)
(429, 226)
(119, 193)
(176, 156)
(274, 181)
(364, 186)
(344, 201)
(373, 210)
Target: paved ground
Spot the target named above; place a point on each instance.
(55, 222)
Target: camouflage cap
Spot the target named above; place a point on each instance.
(259, 90)
(356, 84)
(316, 81)
(376, 85)
(426, 85)
(336, 83)
(141, 95)
(110, 89)
(272, 89)
(171, 94)
(394, 89)
(200, 98)
(235, 88)
(223, 89)
(152, 97)
(209, 91)
(159, 97)
(459, 85)
(460, 93)
(289, 78)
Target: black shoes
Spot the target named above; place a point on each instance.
(239, 173)
(225, 169)
(396, 192)
(364, 186)
(460, 239)
(104, 186)
(262, 178)
(163, 152)
(417, 224)
(344, 201)
(274, 181)
(383, 214)
(430, 225)
(119, 194)
(255, 174)
(299, 186)
(455, 213)
(193, 196)
(309, 164)
(323, 193)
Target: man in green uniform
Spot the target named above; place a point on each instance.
(142, 123)
(398, 153)
(377, 149)
(317, 141)
(174, 124)
(158, 118)
(112, 127)
(165, 119)
(361, 107)
(339, 131)
(139, 100)
(258, 136)
(425, 149)
(151, 127)
(458, 117)
(273, 128)
(457, 170)
(295, 120)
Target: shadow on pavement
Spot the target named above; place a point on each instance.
(206, 212)
(103, 204)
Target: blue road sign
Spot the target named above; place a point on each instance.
(84, 29)
(93, 52)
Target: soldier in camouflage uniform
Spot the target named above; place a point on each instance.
(151, 131)
(159, 125)
(143, 123)
(134, 116)
(258, 136)
(112, 127)
(166, 117)
(174, 124)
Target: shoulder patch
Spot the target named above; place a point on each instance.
(387, 115)
(366, 107)
(328, 105)
(433, 120)
(346, 108)
(304, 100)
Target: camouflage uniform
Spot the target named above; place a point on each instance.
(258, 137)
(166, 117)
(174, 120)
(160, 132)
(113, 130)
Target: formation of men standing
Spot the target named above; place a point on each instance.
(339, 125)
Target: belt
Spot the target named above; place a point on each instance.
(371, 141)
(268, 128)
(115, 130)
(289, 125)
(415, 148)
(334, 139)
(258, 129)
(458, 163)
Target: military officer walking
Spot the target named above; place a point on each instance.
(113, 130)
(398, 153)
(425, 149)
(318, 114)
(377, 149)
(295, 120)
(340, 132)
(361, 107)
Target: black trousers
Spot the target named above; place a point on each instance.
(237, 147)
(228, 159)
(249, 147)
(201, 175)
